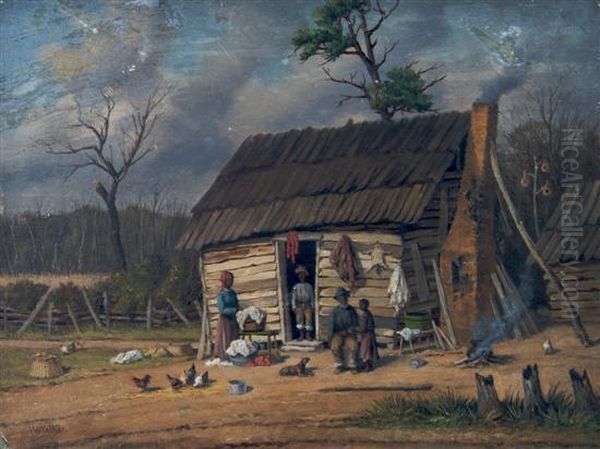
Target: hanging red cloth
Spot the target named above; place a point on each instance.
(343, 258)
(292, 246)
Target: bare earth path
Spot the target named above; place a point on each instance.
(107, 412)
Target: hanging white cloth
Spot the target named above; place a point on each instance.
(398, 288)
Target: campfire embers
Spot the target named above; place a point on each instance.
(480, 357)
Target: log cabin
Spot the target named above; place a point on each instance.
(570, 243)
(392, 187)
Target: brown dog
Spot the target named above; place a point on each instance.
(299, 369)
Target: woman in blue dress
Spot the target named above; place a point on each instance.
(227, 327)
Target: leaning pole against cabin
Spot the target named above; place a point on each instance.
(553, 279)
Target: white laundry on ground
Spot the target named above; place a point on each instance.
(135, 355)
(398, 288)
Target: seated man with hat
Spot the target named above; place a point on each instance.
(303, 304)
(343, 324)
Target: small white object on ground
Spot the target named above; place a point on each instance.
(217, 362)
(135, 355)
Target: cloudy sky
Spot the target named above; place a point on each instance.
(231, 75)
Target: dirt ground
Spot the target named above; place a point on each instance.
(107, 412)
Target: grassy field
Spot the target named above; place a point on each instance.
(53, 279)
(171, 333)
(16, 362)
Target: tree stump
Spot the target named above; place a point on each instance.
(489, 407)
(586, 401)
(534, 403)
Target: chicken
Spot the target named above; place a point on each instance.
(201, 380)
(70, 347)
(190, 374)
(548, 348)
(142, 383)
(176, 383)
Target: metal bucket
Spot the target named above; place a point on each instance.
(238, 387)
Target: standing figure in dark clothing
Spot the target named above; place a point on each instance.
(343, 324)
(368, 343)
(227, 327)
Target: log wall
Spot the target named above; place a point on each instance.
(583, 288)
(255, 278)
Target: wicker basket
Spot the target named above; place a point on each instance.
(253, 326)
(45, 366)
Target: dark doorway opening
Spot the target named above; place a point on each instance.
(307, 256)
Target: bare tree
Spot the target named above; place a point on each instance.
(100, 153)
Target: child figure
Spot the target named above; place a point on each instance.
(366, 328)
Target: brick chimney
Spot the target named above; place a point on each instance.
(468, 257)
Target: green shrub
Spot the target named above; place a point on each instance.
(23, 295)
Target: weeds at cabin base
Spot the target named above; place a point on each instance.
(449, 409)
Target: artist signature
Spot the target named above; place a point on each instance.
(46, 429)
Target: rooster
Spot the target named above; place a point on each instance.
(548, 348)
(201, 380)
(142, 383)
(176, 383)
(190, 375)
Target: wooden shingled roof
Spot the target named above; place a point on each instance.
(363, 173)
(588, 217)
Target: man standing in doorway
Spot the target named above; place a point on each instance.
(303, 304)
(343, 324)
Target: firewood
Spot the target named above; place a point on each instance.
(489, 407)
(534, 402)
(586, 401)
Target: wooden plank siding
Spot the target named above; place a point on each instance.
(255, 278)
(583, 284)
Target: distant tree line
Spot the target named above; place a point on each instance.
(79, 241)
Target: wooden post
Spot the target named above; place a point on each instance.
(534, 402)
(73, 318)
(443, 303)
(149, 313)
(50, 317)
(205, 346)
(91, 309)
(106, 310)
(5, 317)
(422, 286)
(282, 293)
(178, 312)
(37, 309)
(489, 407)
(586, 401)
(554, 280)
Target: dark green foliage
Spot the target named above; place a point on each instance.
(182, 283)
(349, 27)
(139, 283)
(329, 37)
(404, 90)
(449, 409)
(65, 294)
(23, 295)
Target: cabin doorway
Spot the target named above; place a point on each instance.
(288, 277)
